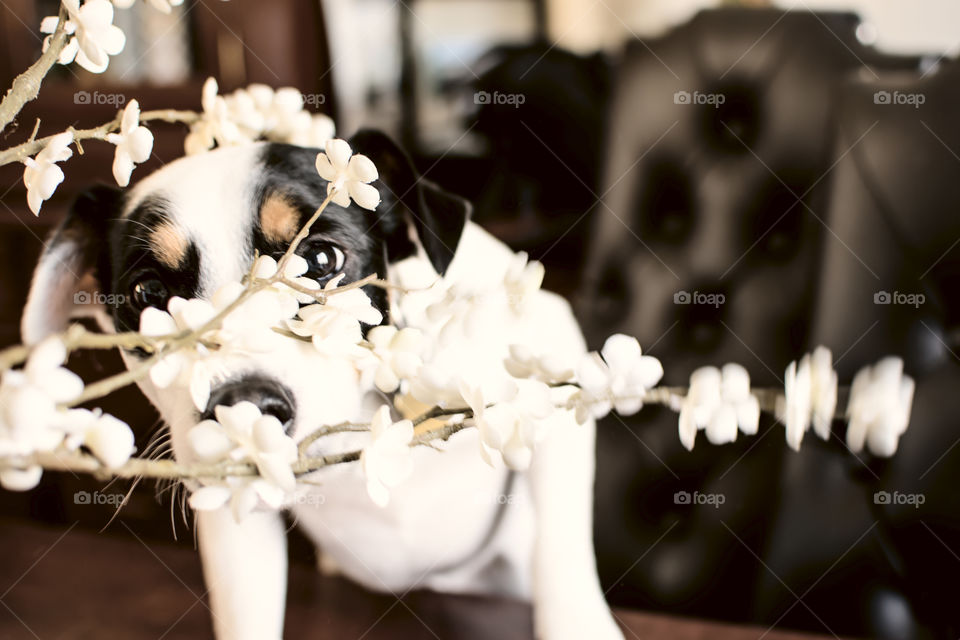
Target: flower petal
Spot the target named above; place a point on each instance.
(365, 195)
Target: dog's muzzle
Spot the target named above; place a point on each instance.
(268, 395)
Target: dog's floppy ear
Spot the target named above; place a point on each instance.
(73, 268)
(437, 216)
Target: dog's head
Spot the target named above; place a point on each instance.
(196, 224)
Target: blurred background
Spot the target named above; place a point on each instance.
(727, 181)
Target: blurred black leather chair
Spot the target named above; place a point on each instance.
(895, 217)
(739, 198)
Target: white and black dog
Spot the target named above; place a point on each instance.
(457, 525)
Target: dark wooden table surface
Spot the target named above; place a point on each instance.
(70, 584)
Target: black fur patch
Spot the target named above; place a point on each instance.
(291, 172)
(133, 260)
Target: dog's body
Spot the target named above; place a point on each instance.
(458, 524)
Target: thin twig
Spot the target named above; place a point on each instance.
(78, 462)
(31, 147)
(26, 86)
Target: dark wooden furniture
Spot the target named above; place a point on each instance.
(71, 584)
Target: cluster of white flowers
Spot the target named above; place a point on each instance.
(810, 396)
(878, 411)
(134, 143)
(93, 36)
(718, 401)
(241, 432)
(42, 176)
(244, 116)
(616, 378)
(510, 419)
(463, 309)
(32, 418)
(388, 459)
(255, 113)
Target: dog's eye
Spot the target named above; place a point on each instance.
(149, 292)
(323, 260)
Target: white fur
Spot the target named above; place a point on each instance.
(434, 532)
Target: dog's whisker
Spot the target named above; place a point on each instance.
(123, 503)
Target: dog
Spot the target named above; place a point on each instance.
(458, 525)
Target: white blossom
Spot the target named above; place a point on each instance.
(29, 417)
(522, 279)
(388, 459)
(245, 113)
(314, 131)
(215, 125)
(134, 144)
(398, 355)
(242, 432)
(348, 175)
(334, 327)
(14, 479)
(285, 116)
(177, 366)
(619, 379)
(287, 298)
(524, 363)
(810, 396)
(878, 411)
(434, 385)
(516, 421)
(31, 421)
(94, 37)
(164, 6)
(42, 175)
(459, 313)
(718, 402)
(108, 438)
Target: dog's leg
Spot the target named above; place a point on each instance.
(245, 568)
(567, 598)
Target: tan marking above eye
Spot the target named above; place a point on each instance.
(169, 245)
(279, 219)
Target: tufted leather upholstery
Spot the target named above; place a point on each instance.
(764, 201)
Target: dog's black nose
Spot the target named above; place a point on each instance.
(268, 395)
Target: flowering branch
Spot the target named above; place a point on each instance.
(77, 462)
(246, 458)
(21, 152)
(26, 86)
